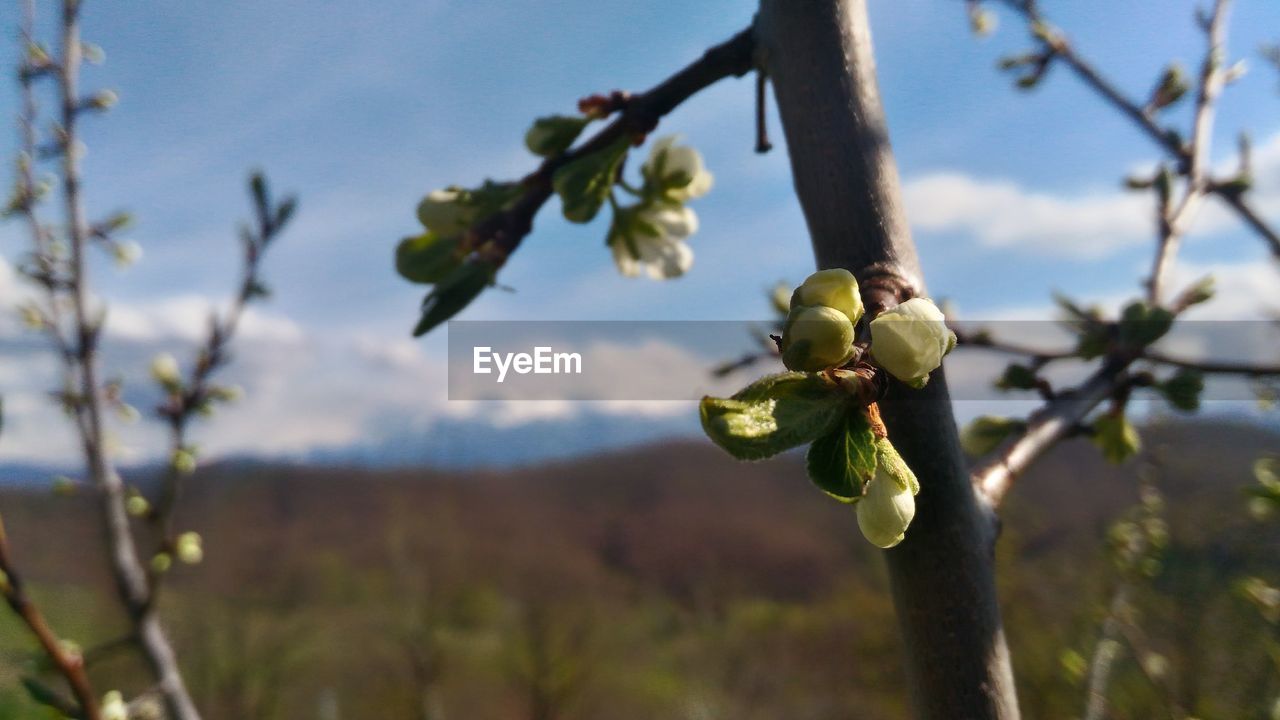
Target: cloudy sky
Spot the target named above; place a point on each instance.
(360, 108)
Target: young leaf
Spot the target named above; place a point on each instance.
(452, 294)
(774, 414)
(1116, 437)
(584, 184)
(844, 460)
(1182, 391)
(554, 134)
(427, 258)
(1142, 324)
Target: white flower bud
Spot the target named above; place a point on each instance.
(886, 510)
(888, 504)
(910, 340)
(836, 288)
(189, 548)
(164, 369)
(816, 338)
(126, 253)
(113, 706)
(443, 212)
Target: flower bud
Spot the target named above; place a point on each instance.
(183, 461)
(189, 548)
(910, 340)
(164, 369)
(126, 253)
(114, 707)
(836, 288)
(137, 506)
(816, 338)
(161, 562)
(443, 212)
(888, 503)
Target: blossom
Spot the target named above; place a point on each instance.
(652, 239)
(677, 170)
(164, 369)
(910, 340)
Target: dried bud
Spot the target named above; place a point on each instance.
(910, 340)
(816, 338)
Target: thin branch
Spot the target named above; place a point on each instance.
(639, 116)
(1059, 418)
(1186, 156)
(130, 577)
(68, 663)
(196, 393)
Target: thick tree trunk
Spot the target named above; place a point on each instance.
(819, 56)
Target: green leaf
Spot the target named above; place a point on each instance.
(1017, 377)
(584, 184)
(843, 460)
(1183, 390)
(452, 294)
(985, 433)
(554, 134)
(1142, 324)
(1116, 437)
(774, 414)
(427, 258)
(47, 696)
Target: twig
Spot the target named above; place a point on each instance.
(130, 577)
(639, 115)
(68, 664)
(1185, 156)
(1105, 654)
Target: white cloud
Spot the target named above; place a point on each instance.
(1088, 225)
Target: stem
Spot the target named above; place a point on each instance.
(130, 577)
(820, 60)
(70, 666)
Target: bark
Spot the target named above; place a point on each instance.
(819, 56)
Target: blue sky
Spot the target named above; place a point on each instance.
(360, 108)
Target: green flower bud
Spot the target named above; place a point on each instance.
(189, 548)
(910, 340)
(836, 288)
(816, 338)
(183, 461)
(888, 503)
(137, 506)
(444, 213)
(161, 562)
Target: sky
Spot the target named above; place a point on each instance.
(361, 108)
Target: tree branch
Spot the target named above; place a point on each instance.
(1187, 157)
(639, 115)
(67, 663)
(130, 577)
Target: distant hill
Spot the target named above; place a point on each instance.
(660, 579)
